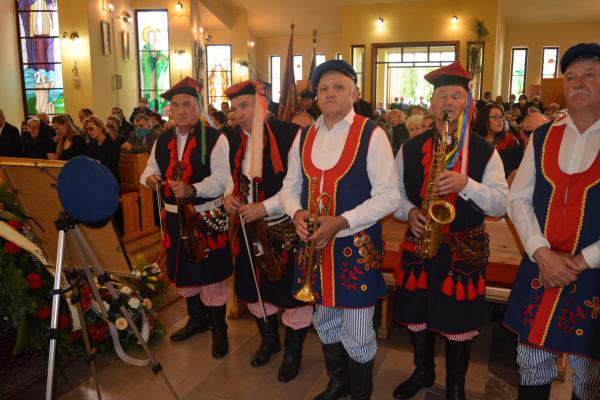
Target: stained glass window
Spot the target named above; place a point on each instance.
(218, 63)
(549, 61)
(153, 57)
(276, 77)
(41, 69)
(518, 70)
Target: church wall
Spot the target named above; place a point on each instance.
(536, 36)
(419, 21)
(328, 43)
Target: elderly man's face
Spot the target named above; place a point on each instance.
(184, 110)
(450, 99)
(243, 108)
(582, 85)
(336, 93)
(141, 123)
(34, 128)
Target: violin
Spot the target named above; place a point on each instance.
(190, 232)
(259, 239)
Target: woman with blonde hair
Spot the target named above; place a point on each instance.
(101, 146)
(397, 119)
(70, 144)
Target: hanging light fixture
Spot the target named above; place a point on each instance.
(454, 19)
(379, 21)
(179, 6)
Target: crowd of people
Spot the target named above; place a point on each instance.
(297, 211)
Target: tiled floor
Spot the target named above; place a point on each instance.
(196, 375)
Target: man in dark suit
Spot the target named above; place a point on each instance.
(10, 139)
(363, 107)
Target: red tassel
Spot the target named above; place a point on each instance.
(166, 241)
(471, 292)
(481, 286)
(422, 281)
(411, 283)
(211, 243)
(460, 291)
(221, 240)
(284, 256)
(400, 278)
(448, 286)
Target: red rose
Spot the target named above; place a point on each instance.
(11, 248)
(34, 280)
(97, 332)
(63, 321)
(15, 224)
(43, 313)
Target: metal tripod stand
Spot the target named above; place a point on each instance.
(68, 226)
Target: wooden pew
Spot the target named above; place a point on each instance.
(136, 199)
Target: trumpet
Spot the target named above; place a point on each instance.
(313, 258)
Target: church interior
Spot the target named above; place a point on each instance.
(107, 58)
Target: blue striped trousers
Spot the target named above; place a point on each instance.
(538, 367)
(353, 327)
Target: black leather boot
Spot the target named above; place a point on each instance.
(336, 362)
(535, 392)
(573, 396)
(269, 345)
(294, 338)
(457, 363)
(424, 374)
(361, 379)
(218, 328)
(196, 323)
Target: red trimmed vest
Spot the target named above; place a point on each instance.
(566, 319)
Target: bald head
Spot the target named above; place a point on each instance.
(529, 124)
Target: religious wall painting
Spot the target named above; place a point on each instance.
(125, 44)
(105, 32)
(475, 54)
(40, 56)
(153, 46)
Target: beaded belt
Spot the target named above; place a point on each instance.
(209, 205)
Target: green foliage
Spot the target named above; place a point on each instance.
(481, 32)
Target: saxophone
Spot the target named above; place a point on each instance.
(438, 211)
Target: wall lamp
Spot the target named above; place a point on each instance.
(74, 36)
(125, 17)
(454, 19)
(250, 43)
(379, 21)
(179, 6)
(107, 7)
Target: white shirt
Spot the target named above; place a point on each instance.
(327, 149)
(213, 185)
(274, 204)
(489, 194)
(577, 153)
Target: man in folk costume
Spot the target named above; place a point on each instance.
(189, 163)
(350, 159)
(554, 306)
(259, 165)
(445, 293)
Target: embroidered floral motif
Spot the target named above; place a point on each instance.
(569, 318)
(531, 311)
(350, 276)
(594, 304)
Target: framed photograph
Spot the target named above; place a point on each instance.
(125, 40)
(475, 53)
(105, 30)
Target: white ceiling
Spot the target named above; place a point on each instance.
(267, 18)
